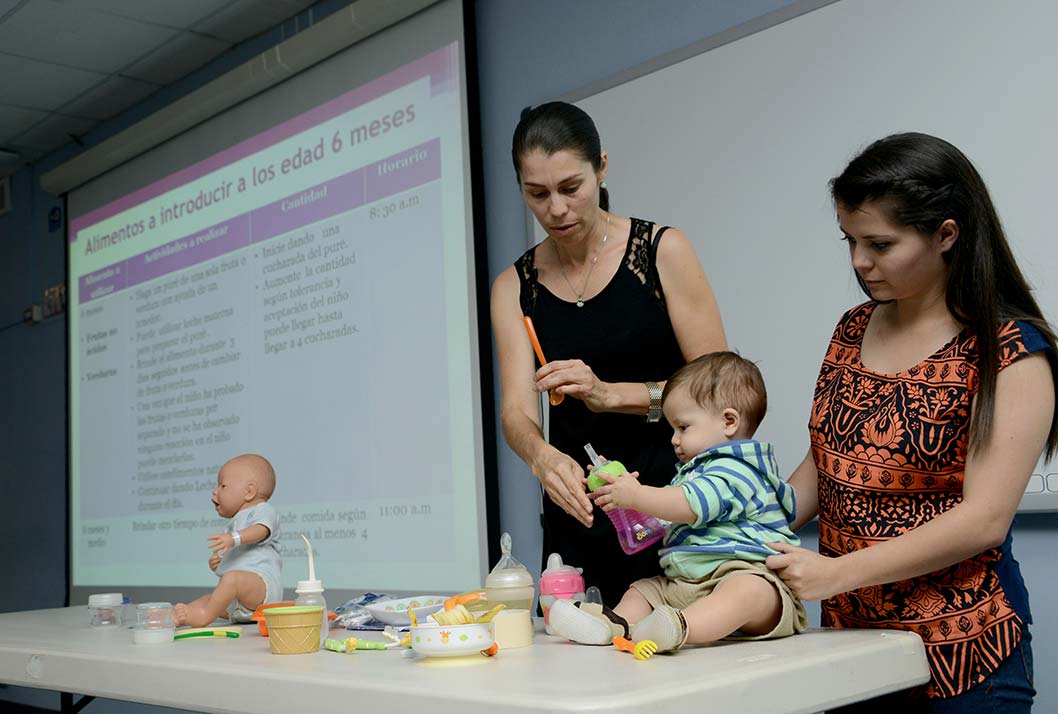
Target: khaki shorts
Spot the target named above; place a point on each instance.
(662, 590)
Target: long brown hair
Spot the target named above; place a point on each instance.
(925, 181)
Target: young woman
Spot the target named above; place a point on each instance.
(933, 405)
(619, 304)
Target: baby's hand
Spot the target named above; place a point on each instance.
(214, 562)
(619, 492)
(221, 543)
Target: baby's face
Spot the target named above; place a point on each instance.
(694, 429)
(231, 492)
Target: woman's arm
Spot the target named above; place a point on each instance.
(561, 476)
(993, 484)
(692, 306)
(805, 482)
(695, 319)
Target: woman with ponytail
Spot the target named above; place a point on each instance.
(935, 400)
(618, 304)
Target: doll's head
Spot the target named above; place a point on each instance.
(242, 482)
(716, 398)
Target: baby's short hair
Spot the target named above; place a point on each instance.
(719, 380)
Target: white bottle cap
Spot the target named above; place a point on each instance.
(104, 600)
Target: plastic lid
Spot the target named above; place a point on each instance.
(104, 600)
(560, 578)
(312, 585)
(309, 586)
(509, 578)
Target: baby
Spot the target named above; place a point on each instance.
(246, 555)
(725, 504)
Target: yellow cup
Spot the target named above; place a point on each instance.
(294, 630)
(514, 628)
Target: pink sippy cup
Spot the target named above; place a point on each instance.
(559, 581)
(635, 530)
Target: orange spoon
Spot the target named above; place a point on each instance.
(554, 397)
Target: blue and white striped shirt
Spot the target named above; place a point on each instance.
(741, 504)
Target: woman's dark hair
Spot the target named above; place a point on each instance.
(558, 126)
(923, 181)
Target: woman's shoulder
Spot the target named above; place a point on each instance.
(1018, 339)
(853, 322)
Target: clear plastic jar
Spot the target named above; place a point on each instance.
(104, 610)
(154, 624)
(154, 615)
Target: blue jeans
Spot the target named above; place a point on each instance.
(1008, 690)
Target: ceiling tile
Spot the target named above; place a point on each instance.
(180, 56)
(15, 120)
(53, 132)
(79, 37)
(109, 98)
(245, 18)
(181, 13)
(41, 85)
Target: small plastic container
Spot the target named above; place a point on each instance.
(154, 624)
(509, 582)
(558, 581)
(294, 630)
(154, 615)
(104, 610)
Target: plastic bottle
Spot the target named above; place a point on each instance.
(559, 581)
(635, 530)
(509, 582)
(310, 592)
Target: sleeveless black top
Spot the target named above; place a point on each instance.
(624, 334)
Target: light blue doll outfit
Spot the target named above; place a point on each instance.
(261, 558)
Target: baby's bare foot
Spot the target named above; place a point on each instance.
(179, 614)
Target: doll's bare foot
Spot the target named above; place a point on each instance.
(195, 614)
(179, 614)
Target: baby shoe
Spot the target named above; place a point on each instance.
(665, 626)
(588, 623)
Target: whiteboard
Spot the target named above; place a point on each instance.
(735, 146)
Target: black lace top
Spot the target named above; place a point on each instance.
(624, 335)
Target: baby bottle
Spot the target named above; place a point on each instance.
(509, 582)
(635, 530)
(310, 592)
(558, 581)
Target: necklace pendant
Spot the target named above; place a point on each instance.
(580, 303)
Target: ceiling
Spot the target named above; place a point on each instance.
(67, 65)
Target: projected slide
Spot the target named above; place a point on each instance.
(306, 295)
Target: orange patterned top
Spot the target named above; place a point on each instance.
(891, 451)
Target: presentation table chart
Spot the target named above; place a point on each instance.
(55, 649)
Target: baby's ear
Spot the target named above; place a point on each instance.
(251, 491)
(732, 421)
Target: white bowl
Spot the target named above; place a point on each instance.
(395, 612)
(452, 641)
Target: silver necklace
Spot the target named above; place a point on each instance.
(594, 260)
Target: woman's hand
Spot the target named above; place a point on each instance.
(811, 576)
(563, 480)
(574, 378)
(620, 491)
